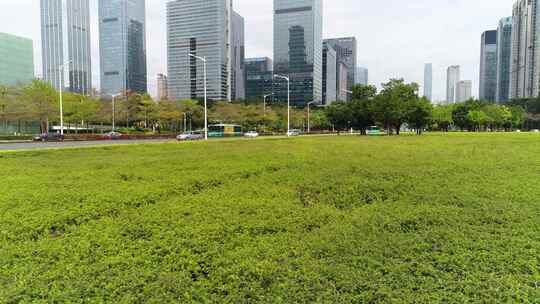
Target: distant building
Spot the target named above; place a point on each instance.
(238, 51)
(488, 66)
(452, 78)
(298, 49)
(65, 39)
(346, 49)
(362, 76)
(342, 83)
(504, 52)
(259, 82)
(463, 90)
(122, 46)
(162, 87)
(329, 74)
(428, 81)
(16, 60)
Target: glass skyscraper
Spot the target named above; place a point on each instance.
(428, 81)
(346, 53)
(65, 37)
(362, 76)
(122, 46)
(298, 49)
(488, 66)
(329, 74)
(504, 51)
(16, 60)
(259, 72)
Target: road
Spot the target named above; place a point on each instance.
(74, 144)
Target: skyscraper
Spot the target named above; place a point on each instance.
(65, 43)
(209, 29)
(463, 90)
(16, 60)
(362, 76)
(452, 79)
(346, 49)
(298, 49)
(342, 81)
(329, 74)
(428, 81)
(504, 50)
(488, 66)
(122, 46)
(162, 87)
(259, 72)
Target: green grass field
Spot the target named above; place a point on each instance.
(433, 219)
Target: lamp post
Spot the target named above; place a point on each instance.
(114, 110)
(308, 116)
(61, 68)
(264, 110)
(288, 102)
(203, 59)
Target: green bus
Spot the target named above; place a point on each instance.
(224, 130)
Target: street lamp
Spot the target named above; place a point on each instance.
(288, 102)
(264, 110)
(114, 110)
(203, 59)
(61, 68)
(308, 116)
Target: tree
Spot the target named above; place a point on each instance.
(442, 117)
(460, 116)
(364, 92)
(40, 103)
(339, 115)
(392, 104)
(477, 119)
(419, 114)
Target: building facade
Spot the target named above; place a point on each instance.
(329, 75)
(504, 52)
(298, 49)
(346, 49)
(488, 66)
(362, 76)
(342, 79)
(122, 46)
(16, 60)
(238, 52)
(428, 81)
(259, 82)
(463, 90)
(65, 44)
(453, 76)
(162, 87)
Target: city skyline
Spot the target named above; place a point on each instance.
(425, 45)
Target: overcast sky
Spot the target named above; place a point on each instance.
(395, 37)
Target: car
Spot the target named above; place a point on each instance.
(373, 131)
(293, 133)
(252, 134)
(49, 137)
(189, 137)
(112, 135)
(536, 131)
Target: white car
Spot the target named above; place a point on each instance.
(293, 133)
(251, 134)
(189, 137)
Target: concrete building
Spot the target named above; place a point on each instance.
(342, 81)
(346, 49)
(65, 39)
(362, 76)
(259, 81)
(488, 66)
(329, 75)
(298, 49)
(504, 52)
(428, 81)
(16, 60)
(162, 87)
(452, 78)
(209, 29)
(122, 46)
(463, 90)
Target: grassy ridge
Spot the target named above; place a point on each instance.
(331, 220)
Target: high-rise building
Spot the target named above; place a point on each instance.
(504, 50)
(298, 49)
(488, 66)
(463, 90)
(346, 49)
(428, 81)
(65, 44)
(259, 73)
(16, 60)
(342, 81)
(452, 78)
(208, 29)
(362, 76)
(329, 74)
(162, 87)
(122, 46)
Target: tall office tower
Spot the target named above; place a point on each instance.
(346, 49)
(65, 43)
(504, 50)
(298, 49)
(122, 46)
(452, 79)
(488, 66)
(162, 87)
(463, 90)
(329, 74)
(259, 72)
(342, 81)
(208, 29)
(362, 76)
(428, 81)
(16, 60)
(238, 81)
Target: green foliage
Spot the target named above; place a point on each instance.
(432, 219)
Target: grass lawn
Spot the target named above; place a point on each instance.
(434, 219)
